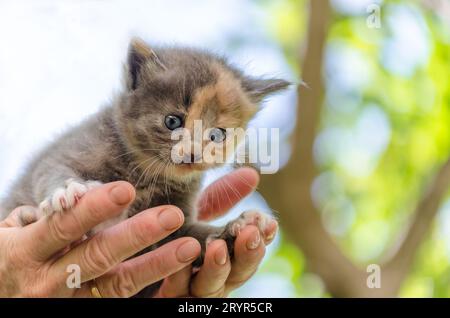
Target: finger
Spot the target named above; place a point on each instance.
(113, 245)
(21, 216)
(176, 285)
(51, 234)
(210, 280)
(249, 250)
(232, 188)
(130, 277)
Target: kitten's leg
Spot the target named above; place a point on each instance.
(205, 233)
(67, 196)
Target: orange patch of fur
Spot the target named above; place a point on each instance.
(222, 105)
(233, 108)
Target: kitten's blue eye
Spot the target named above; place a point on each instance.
(217, 135)
(173, 122)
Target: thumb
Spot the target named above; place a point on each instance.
(21, 216)
(226, 192)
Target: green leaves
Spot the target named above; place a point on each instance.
(416, 104)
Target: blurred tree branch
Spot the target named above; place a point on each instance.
(427, 208)
(289, 191)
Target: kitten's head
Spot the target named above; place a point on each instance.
(170, 89)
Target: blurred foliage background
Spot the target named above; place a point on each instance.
(384, 130)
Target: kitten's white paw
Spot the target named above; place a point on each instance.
(67, 197)
(264, 222)
(259, 219)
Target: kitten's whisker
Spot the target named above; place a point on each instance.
(158, 173)
(135, 150)
(240, 197)
(222, 186)
(154, 180)
(246, 182)
(150, 188)
(148, 169)
(137, 166)
(149, 173)
(254, 187)
(168, 165)
(164, 171)
(217, 197)
(145, 170)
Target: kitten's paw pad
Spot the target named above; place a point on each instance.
(261, 220)
(67, 197)
(264, 222)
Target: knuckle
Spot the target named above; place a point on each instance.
(40, 287)
(158, 264)
(141, 233)
(17, 255)
(12, 252)
(221, 274)
(97, 258)
(123, 284)
(24, 277)
(58, 232)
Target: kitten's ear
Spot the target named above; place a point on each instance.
(140, 55)
(258, 88)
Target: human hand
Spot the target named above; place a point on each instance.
(217, 279)
(34, 259)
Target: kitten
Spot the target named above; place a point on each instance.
(165, 89)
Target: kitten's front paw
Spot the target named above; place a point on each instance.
(264, 222)
(66, 197)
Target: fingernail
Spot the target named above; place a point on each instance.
(270, 236)
(120, 195)
(170, 218)
(221, 256)
(254, 241)
(188, 251)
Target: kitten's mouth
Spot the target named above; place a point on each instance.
(192, 167)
